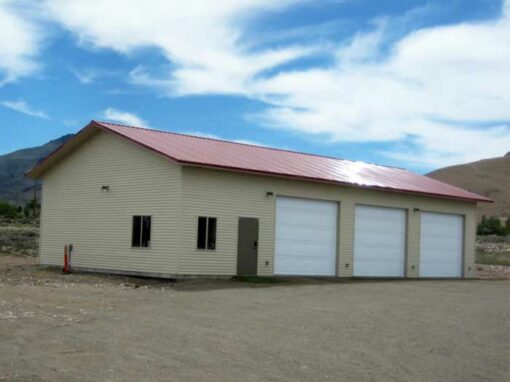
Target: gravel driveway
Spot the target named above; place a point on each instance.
(96, 328)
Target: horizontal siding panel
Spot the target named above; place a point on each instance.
(229, 195)
(75, 210)
(98, 223)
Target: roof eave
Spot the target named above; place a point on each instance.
(40, 168)
(45, 164)
(352, 185)
(37, 170)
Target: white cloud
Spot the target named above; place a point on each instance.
(432, 84)
(124, 117)
(89, 75)
(441, 86)
(20, 40)
(442, 92)
(22, 107)
(203, 39)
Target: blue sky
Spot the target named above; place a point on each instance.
(416, 84)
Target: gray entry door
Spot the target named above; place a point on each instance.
(247, 246)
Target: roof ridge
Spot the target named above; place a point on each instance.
(248, 144)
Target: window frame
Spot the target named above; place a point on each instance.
(206, 238)
(140, 246)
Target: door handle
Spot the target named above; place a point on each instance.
(255, 244)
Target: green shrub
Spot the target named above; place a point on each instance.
(8, 210)
(491, 226)
(32, 209)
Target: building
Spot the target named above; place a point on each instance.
(140, 201)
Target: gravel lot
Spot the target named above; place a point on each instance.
(56, 327)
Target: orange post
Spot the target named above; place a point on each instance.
(66, 261)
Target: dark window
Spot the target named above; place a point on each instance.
(146, 231)
(211, 233)
(206, 238)
(136, 235)
(141, 234)
(202, 226)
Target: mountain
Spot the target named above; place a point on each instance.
(14, 187)
(488, 177)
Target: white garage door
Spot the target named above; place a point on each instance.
(379, 241)
(441, 245)
(305, 237)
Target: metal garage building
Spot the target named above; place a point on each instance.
(142, 201)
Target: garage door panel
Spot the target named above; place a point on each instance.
(305, 237)
(301, 249)
(381, 213)
(316, 221)
(311, 221)
(381, 227)
(437, 229)
(366, 268)
(305, 233)
(376, 253)
(441, 270)
(313, 266)
(441, 245)
(379, 241)
(394, 238)
(440, 261)
(437, 248)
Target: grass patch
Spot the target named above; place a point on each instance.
(258, 279)
(21, 240)
(493, 258)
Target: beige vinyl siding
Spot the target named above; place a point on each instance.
(229, 195)
(98, 223)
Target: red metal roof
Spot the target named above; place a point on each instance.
(198, 151)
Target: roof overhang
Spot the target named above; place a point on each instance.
(60, 152)
(93, 127)
(344, 184)
(72, 144)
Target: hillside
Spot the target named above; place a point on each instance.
(14, 187)
(488, 177)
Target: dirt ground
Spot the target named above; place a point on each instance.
(485, 271)
(86, 327)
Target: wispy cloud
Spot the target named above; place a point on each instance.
(385, 85)
(202, 39)
(90, 75)
(20, 40)
(22, 107)
(124, 117)
(381, 87)
(434, 86)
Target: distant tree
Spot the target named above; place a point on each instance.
(8, 210)
(507, 225)
(491, 226)
(31, 208)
